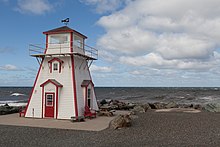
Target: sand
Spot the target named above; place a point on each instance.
(149, 129)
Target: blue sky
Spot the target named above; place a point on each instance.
(141, 42)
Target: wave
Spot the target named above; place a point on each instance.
(17, 94)
(13, 103)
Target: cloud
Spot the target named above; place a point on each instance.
(103, 6)
(37, 7)
(9, 67)
(171, 34)
(105, 69)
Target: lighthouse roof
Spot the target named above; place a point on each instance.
(64, 29)
(85, 83)
(53, 81)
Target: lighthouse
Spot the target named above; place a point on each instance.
(63, 86)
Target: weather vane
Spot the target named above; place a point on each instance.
(65, 21)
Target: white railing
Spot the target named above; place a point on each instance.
(64, 48)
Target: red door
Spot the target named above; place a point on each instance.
(49, 105)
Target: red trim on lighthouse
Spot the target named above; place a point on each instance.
(33, 87)
(46, 43)
(74, 86)
(42, 102)
(86, 99)
(57, 101)
(58, 60)
(71, 42)
(73, 76)
(55, 59)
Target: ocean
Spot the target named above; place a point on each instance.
(17, 96)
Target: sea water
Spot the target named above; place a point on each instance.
(17, 96)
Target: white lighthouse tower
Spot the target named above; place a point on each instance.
(63, 86)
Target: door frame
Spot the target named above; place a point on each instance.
(53, 103)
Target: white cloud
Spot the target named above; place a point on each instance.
(34, 6)
(9, 67)
(95, 68)
(103, 6)
(171, 34)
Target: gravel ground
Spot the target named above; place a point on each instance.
(149, 129)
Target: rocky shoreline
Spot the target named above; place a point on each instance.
(143, 107)
(6, 109)
(132, 106)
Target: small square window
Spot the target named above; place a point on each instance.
(55, 66)
(49, 100)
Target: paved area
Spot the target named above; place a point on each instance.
(96, 124)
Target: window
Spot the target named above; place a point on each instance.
(55, 66)
(78, 41)
(49, 100)
(59, 39)
(89, 98)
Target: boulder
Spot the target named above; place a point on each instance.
(8, 110)
(146, 106)
(215, 107)
(197, 106)
(157, 105)
(113, 107)
(171, 105)
(103, 102)
(139, 109)
(121, 121)
(114, 102)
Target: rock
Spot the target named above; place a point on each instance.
(146, 106)
(157, 105)
(108, 100)
(139, 109)
(171, 105)
(113, 107)
(121, 121)
(114, 102)
(8, 110)
(130, 106)
(6, 105)
(197, 106)
(215, 107)
(103, 102)
(121, 105)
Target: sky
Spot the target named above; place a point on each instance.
(141, 43)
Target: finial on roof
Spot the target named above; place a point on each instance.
(65, 21)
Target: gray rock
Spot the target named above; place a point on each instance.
(197, 106)
(139, 109)
(157, 105)
(121, 121)
(8, 110)
(215, 107)
(171, 105)
(103, 102)
(146, 106)
(113, 107)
